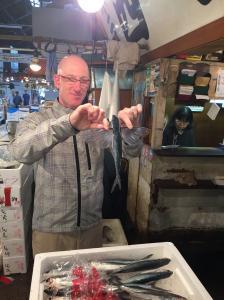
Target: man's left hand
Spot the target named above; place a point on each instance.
(129, 117)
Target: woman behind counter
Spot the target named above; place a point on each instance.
(179, 130)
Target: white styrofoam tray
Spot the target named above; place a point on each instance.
(183, 280)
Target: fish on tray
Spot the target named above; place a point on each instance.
(107, 265)
(145, 291)
(142, 265)
(147, 277)
(122, 261)
(112, 139)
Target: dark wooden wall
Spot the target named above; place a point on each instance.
(125, 97)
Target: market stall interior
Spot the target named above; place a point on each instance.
(174, 191)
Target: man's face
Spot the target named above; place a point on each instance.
(72, 82)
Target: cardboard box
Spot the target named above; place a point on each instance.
(183, 280)
(10, 177)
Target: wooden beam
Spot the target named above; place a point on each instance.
(188, 42)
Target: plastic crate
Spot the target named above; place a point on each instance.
(183, 281)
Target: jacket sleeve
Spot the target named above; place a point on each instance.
(132, 150)
(35, 137)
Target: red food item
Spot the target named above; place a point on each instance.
(90, 286)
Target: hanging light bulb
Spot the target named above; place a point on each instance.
(35, 64)
(91, 6)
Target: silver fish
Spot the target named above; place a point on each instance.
(116, 150)
(112, 139)
(104, 266)
(121, 261)
(147, 277)
(153, 290)
(55, 274)
(143, 265)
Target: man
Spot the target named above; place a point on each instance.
(26, 98)
(17, 100)
(68, 172)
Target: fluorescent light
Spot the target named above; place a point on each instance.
(196, 108)
(91, 6)
(217, 101)
(35, 3)
(11, 26)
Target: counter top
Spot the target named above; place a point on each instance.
(190, 151)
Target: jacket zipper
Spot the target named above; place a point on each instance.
(88, 156)
(78, 180)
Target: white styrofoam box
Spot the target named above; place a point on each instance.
(117, 234)
(14, 247)
(183, 280)
(12, 214)
(23, 112)
(17, 229)
(15, 176)
(16, 264)
(13, 116)
(17, 195)
(18, 247)
(12, 230)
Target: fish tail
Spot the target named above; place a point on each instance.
(116, 181)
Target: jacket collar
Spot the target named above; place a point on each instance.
(60, 110)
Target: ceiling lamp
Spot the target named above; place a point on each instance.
(34, 65)
(91, 6)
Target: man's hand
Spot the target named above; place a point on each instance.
(130, 116)
(87, 116)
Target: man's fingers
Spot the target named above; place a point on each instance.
(123, 116)
(139, 108)
(105, 123)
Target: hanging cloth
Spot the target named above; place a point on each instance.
(125, 55)
(115, 100)
(106, 94)
(51, 66)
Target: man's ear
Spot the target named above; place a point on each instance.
(56, 81)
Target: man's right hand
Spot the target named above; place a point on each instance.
(88, 116)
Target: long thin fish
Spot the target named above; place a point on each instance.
(121, 261)
(143, 265)
(147, 277)
(116, 150)
(152, 290)
(113, 139)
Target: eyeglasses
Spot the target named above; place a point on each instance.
(181, 122)
(71, 79)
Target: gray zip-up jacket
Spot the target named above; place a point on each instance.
(68, 172)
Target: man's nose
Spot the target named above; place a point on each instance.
(77, 85)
